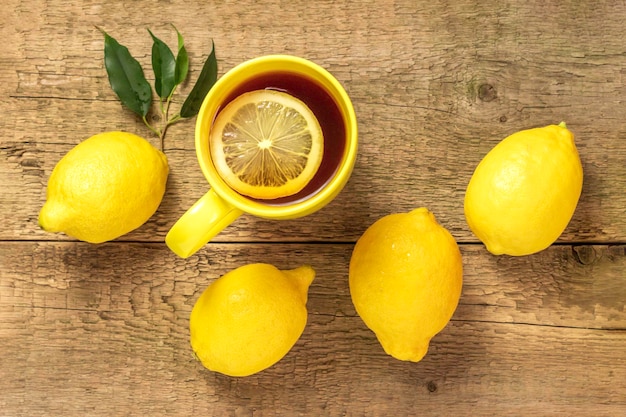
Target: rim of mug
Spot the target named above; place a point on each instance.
(223, 88)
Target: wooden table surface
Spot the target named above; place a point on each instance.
(102, 330)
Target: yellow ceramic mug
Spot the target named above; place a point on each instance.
(221, 205)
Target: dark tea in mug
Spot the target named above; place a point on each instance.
(326, 112)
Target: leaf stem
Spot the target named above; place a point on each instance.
(162, 136)
(155, 131)
(174, 119)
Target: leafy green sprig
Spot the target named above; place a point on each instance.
(128, 81)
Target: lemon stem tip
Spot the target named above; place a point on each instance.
(302, 275)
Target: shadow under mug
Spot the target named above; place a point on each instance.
(221, 205)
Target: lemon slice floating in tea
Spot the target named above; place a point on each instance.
(266, 144)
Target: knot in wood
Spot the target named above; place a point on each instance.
(584, 255)
(431, 386)
(487, 92)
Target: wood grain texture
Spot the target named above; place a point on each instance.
(107, 327)
(90, 330)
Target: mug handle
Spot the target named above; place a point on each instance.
(205, 219)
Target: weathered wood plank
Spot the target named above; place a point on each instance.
(579, 287)
(106, 326)
(421, 175)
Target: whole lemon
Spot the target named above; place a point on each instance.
(105, 187)
(523, 193)
(250, 318)
(405, 276)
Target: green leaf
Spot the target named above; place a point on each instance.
(182, 60)
(126, 77)
(207, 78)
(164, 67)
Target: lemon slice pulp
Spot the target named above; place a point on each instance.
(266, 144)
